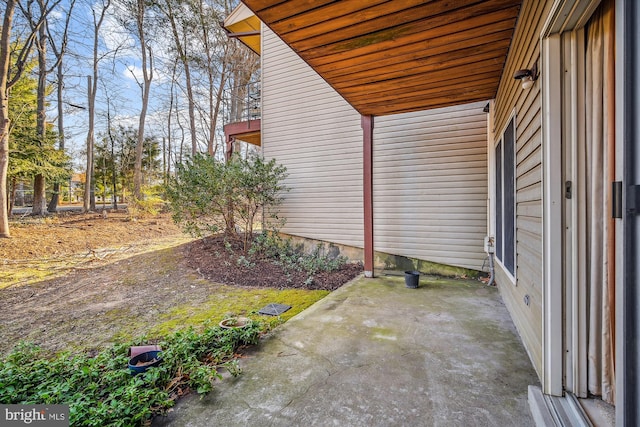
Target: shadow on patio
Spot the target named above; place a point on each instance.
(375, 353)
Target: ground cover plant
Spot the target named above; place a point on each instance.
(101, 391)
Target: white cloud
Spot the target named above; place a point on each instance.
(116, 37)
(134, 72)
(56, 15)
(129, 121)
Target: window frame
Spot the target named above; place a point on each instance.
(505, 244)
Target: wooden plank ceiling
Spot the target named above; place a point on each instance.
(388, 57)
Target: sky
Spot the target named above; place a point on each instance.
(120, 70)
(119, 67)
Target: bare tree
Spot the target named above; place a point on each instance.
(42, 40)
(181, 128)
(138, 27)
(59, 52)
(8, 78)
(180, 30)
(89, 202)
(167, 156)
(114, 176)
(210, 71)
(209, 63)
(5, 45)
(38, 26)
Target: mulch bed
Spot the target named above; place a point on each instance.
(214, 262)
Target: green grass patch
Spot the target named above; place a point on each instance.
(232, 301)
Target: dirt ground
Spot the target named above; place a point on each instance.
(81, 281)
(213, 262)
(73, 233)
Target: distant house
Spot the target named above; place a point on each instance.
(447, 131)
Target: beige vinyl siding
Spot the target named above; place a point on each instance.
(310, 129)
(525, 50)
(430, 185)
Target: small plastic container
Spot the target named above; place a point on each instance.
(411, 279)
(143, 361)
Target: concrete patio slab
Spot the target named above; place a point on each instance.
(375, 353)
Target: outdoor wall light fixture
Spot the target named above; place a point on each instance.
(527, 77)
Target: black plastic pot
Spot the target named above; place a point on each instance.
(411, 279)
(143, 361)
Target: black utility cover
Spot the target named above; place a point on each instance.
(274, 309)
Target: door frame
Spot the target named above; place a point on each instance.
(562, 306)
(628, 172)
(574, 213)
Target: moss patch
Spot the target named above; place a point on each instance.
(232, 301)
(398, 262)
(27, 274)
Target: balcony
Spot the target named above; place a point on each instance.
(241, 109)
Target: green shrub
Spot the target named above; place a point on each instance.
(209, 196)
(100, 390)
(151, 203)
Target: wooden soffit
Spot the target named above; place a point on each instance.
(387, 57)
(247, 131)
(245, 25)
(254, 138)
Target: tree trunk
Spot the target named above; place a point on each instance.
(5, 46)
(86, 202)
(39, 184)
(168, 170)
(213, 147)
(89, 201)
(92, 192)
(192, 115)
(114, 185)
(14, 190)
(39, 196)
(181, 127)
(53, 204)
(181, 49)
(214, 107)
(137, 171)
(180, 153)
(169, 126)
(165, 177)
(147, 75)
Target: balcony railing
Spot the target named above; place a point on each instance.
(242, 103)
